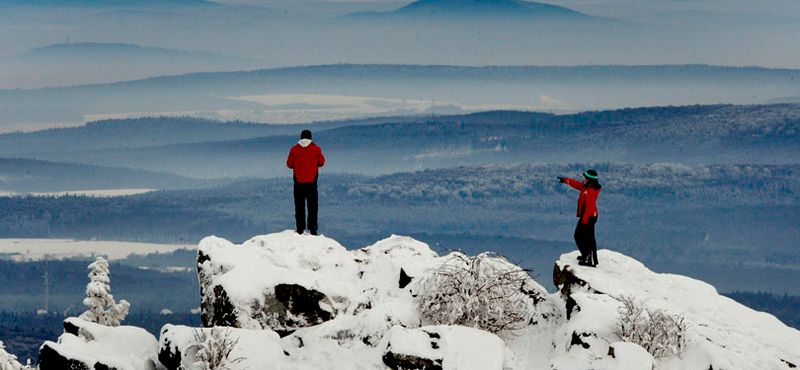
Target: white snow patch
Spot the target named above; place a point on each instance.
(121, 347)
(257, 349)
(457, 347)
(103, 193)
(39, 249)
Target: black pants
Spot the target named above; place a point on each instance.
(584, 238)
(305, 192)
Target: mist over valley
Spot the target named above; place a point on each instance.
(134, 129)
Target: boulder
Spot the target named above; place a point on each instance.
(443, 348)
(249, 349)
(377, 301)
(280, 282)
(86, 345)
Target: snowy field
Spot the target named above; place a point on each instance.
(105, 193)
(303, 108)
(38, 249)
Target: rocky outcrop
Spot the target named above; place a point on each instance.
(367, 308)
(721, 334)
(86, 345)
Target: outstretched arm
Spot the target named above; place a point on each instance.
(575, 184)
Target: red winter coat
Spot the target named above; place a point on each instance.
(587, 202)
(305, 161)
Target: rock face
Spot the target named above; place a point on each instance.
(721, 333)
(250, 349)
(86, 345)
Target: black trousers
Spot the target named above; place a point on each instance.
(305, 193)
(584, 238)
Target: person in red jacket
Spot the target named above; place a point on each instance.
(305, 159)
(587, 211)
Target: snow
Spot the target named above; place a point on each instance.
(9, 361)
(258, 349)
(249, 271)
(102, 193)
(458, 347)
(40, 249)
(375, 319)
(722, 333)
(365, 290)
(122, 347)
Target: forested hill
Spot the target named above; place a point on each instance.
(25, 176)
(159, 131)
(576, 74)
(241, 94)
(719, 134)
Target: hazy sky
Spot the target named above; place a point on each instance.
(288, 33)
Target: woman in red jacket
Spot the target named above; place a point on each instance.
(587, 211)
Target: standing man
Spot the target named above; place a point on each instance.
(587, 212)
(305, 159)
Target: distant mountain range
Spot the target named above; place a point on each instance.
(24, 176)
(241, 95)
(474, 10)
(102, 3)
(82, 63)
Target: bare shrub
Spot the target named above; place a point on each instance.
(485, 292)
(659, 333)
(214, 348)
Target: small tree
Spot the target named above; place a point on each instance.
(656, 331)
(98, 297)
(214, 348)
(485, 292)
(9, 361)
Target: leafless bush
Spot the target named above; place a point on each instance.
(659, 333)
(214, 348)
(485, 292)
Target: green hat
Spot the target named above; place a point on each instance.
(591, 174)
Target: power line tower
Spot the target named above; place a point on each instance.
(46, 287)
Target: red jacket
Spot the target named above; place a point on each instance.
(305, 161)
(587, 202)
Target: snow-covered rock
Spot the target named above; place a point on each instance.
(86, 345)
(249, 349)
(443, 348)
(281, 281)
(721, 333)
